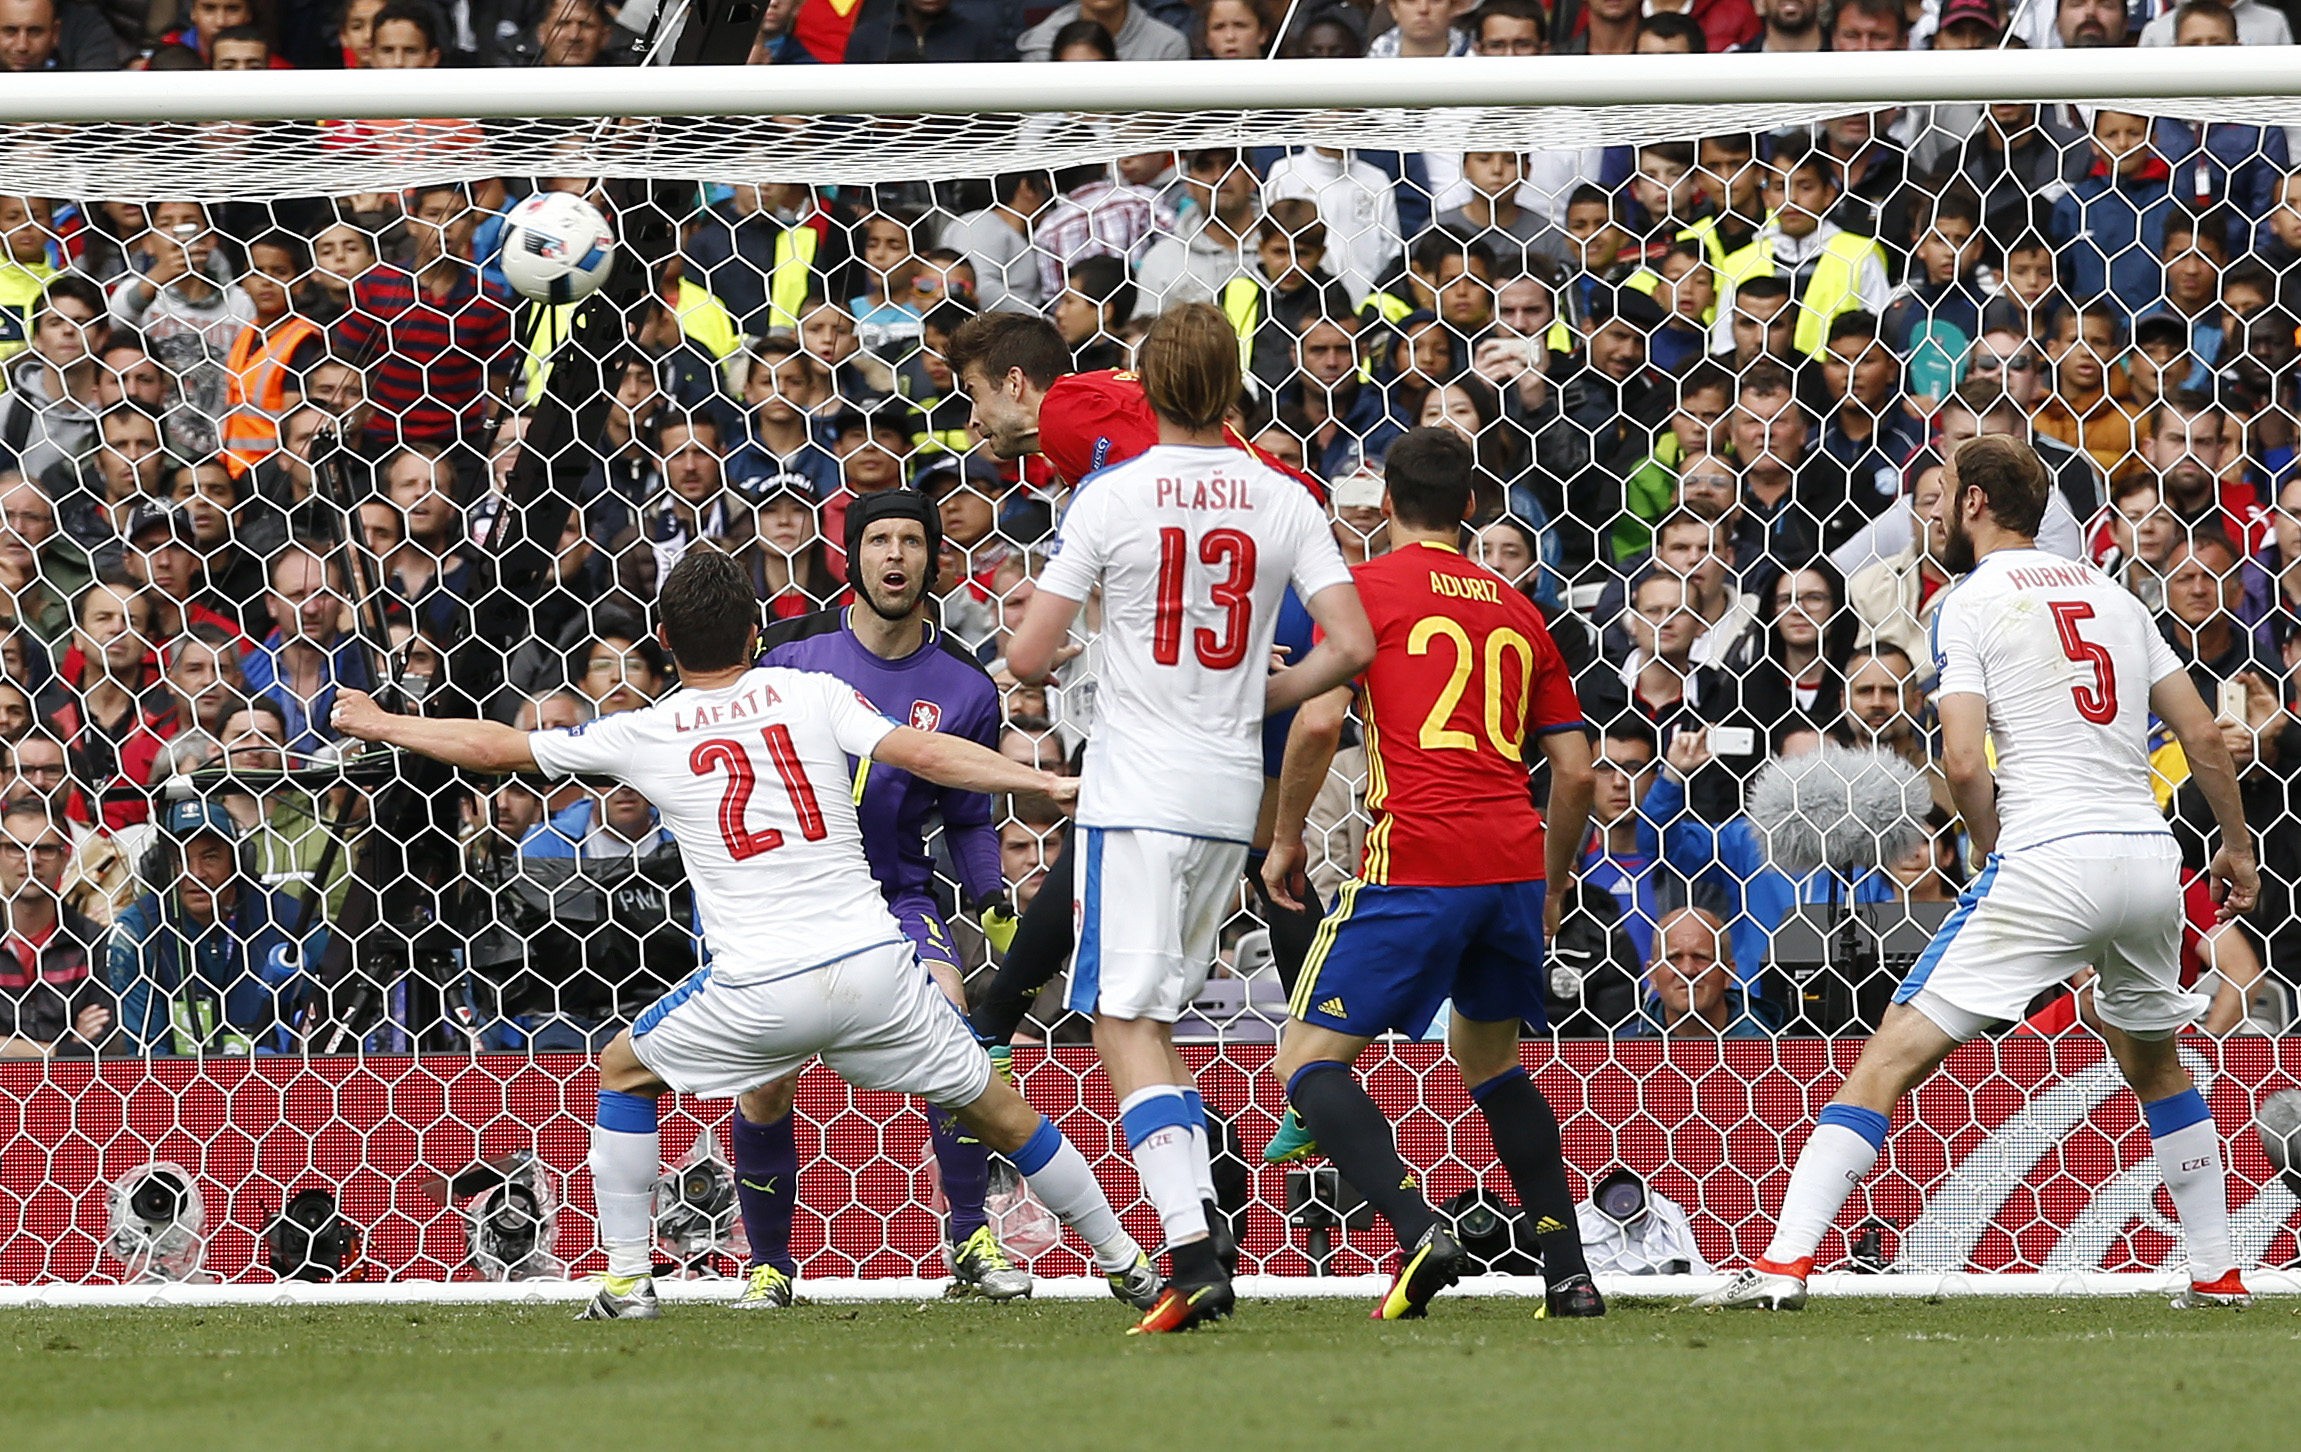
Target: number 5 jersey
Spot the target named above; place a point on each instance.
(2065, 659)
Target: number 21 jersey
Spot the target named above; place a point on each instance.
(752, 780)
(1193, 548)
(2065, 659)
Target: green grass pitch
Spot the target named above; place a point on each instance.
(953, 1377)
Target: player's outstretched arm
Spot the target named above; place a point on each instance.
(2236, 884)
(473, 745)
(1965, 764)
(948, 761)
(1345, 647)
(1310, 746)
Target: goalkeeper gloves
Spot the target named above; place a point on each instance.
(996, 913)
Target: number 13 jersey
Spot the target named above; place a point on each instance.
(752, 780)
(1465, 683)
(1193, 548)
(2065, 660)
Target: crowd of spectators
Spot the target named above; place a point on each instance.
(1710, 382)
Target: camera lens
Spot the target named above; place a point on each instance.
(1623, 1199)
(159, 1199)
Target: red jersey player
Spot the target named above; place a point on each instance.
(1465, 679)
(1015, 369)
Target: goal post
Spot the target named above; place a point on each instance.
(2024, 1169)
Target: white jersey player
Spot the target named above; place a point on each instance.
(1192, 544)
(748, 768)
(2060, 669)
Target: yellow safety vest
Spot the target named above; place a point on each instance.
(21, 284)
(1389, 307)
(791, 277)
(1705, 231)
(703, 321)
(1242, 304)
(1834, 288)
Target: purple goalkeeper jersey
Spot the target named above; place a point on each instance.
(938, 687)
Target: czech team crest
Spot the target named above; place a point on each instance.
(926, 715)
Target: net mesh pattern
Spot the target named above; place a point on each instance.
(274, 416)
(251, 160)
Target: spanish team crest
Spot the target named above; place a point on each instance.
(926, 715)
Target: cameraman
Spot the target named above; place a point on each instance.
(51, 1005)
(203, 962)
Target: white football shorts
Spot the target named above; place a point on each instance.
(877, 1021)
(1149, 908)
(2034, 916)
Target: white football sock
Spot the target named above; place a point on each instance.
(623, 1170)
(1157, 1124)
(1066, 1186)
(1834, 1160)
(2189, 1157)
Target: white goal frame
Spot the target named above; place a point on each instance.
(2245, 81)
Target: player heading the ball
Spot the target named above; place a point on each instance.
(749, 768)
(1192, 544)
(2061, 668)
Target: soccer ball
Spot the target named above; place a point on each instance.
(557, 248)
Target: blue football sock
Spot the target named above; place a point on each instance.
(767, 1184)
(966, 1167)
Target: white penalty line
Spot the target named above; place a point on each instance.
(891, 1289)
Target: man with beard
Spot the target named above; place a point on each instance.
(2184, 439)
(51, 1004)
(891, 652)
(1883, 699)
(2081, 868)
(2087, 24)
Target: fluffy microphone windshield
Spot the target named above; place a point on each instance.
(1838, 807)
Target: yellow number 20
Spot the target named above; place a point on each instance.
(1508, 736)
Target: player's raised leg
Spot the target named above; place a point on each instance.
(625, 1159)
(1058, 1174)
(912, 1042)
(765, 1140)
(1042, 943)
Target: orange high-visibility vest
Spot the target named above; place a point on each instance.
(257, 392)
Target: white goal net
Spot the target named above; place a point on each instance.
(274, 424)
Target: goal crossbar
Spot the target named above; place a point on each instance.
(266, 134)
(2181, 78)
